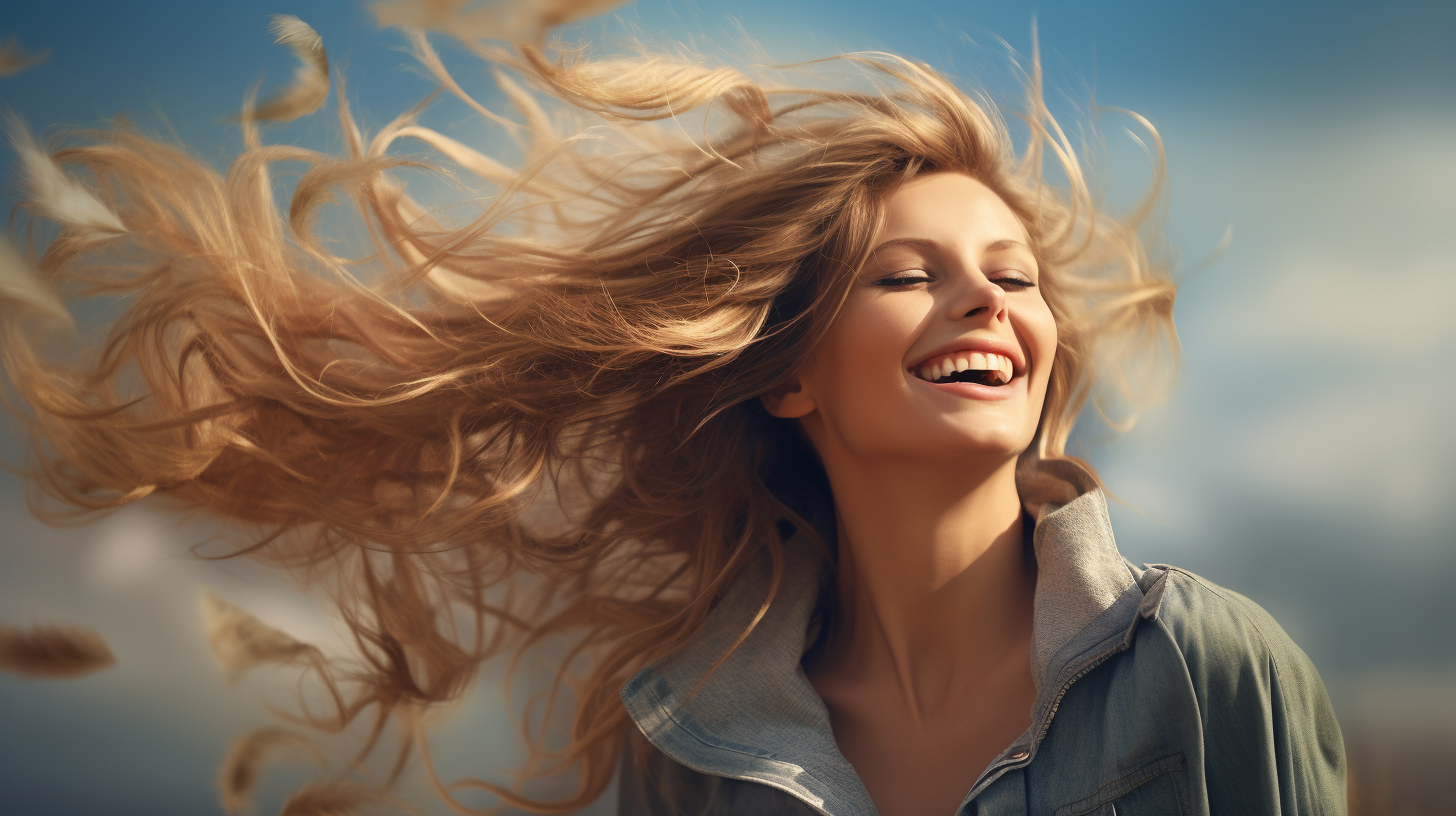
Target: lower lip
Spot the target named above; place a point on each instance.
(974, 391)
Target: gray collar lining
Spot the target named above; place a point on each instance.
(757, 717)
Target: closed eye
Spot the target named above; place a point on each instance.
(902, 280)
(1015, 283)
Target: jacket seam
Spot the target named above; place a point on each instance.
(1253, 622)
(668, 713)
(1110, 791)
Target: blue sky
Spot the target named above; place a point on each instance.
(1304, 460)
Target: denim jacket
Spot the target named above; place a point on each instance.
(1158, 692)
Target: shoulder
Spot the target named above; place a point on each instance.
(1213, 622)
(1224, 635)
(1266, 718)
(1229, 642)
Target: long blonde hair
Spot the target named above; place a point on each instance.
(557, 398)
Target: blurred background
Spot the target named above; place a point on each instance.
(1301, 461)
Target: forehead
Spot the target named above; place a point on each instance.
(949, 208)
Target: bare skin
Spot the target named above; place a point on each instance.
(927, 673)
(925, 688)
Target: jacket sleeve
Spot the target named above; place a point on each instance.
(1271, 742)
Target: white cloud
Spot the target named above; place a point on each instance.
(1375, 303)
(1372, 452)
(1317, 347)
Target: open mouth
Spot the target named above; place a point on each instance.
(967, 367)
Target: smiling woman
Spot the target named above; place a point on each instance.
(769, 423)
(919, 400)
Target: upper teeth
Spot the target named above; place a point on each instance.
(947, 364)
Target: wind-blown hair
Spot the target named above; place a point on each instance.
(543, 423)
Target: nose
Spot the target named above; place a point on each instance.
(979, 296)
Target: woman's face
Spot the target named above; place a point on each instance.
(944, 346)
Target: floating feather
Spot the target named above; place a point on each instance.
(242, 769)
(240, 641)
(56, 195)
(329, 799)
(22, 289)
(513, 21)
(310, 86)
(13, 60)
(52, 651)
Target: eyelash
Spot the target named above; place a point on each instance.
(909, 280)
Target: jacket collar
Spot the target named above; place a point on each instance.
(1080, 574)
(757, 717)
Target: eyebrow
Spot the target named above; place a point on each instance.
(923, 244)
(927, 245)
(1006, 243)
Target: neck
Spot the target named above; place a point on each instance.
(934, 591)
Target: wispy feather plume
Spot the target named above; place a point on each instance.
(52, 651)
(13, 60)
(240, 641)
(57, 195)
(330, 799)
(310, 86)
(514, 21)
(22, 290)
(242, 769)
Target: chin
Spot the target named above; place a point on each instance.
(986, 447)
(994, 450)
(975, 436)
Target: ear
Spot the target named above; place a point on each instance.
(788, 400)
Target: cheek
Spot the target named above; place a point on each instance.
(1036, 329)
(867, 339)
(856, 374)
(1048, 334)
(1041, 337)
(1039, 330)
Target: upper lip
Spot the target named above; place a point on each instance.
(983, 345)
